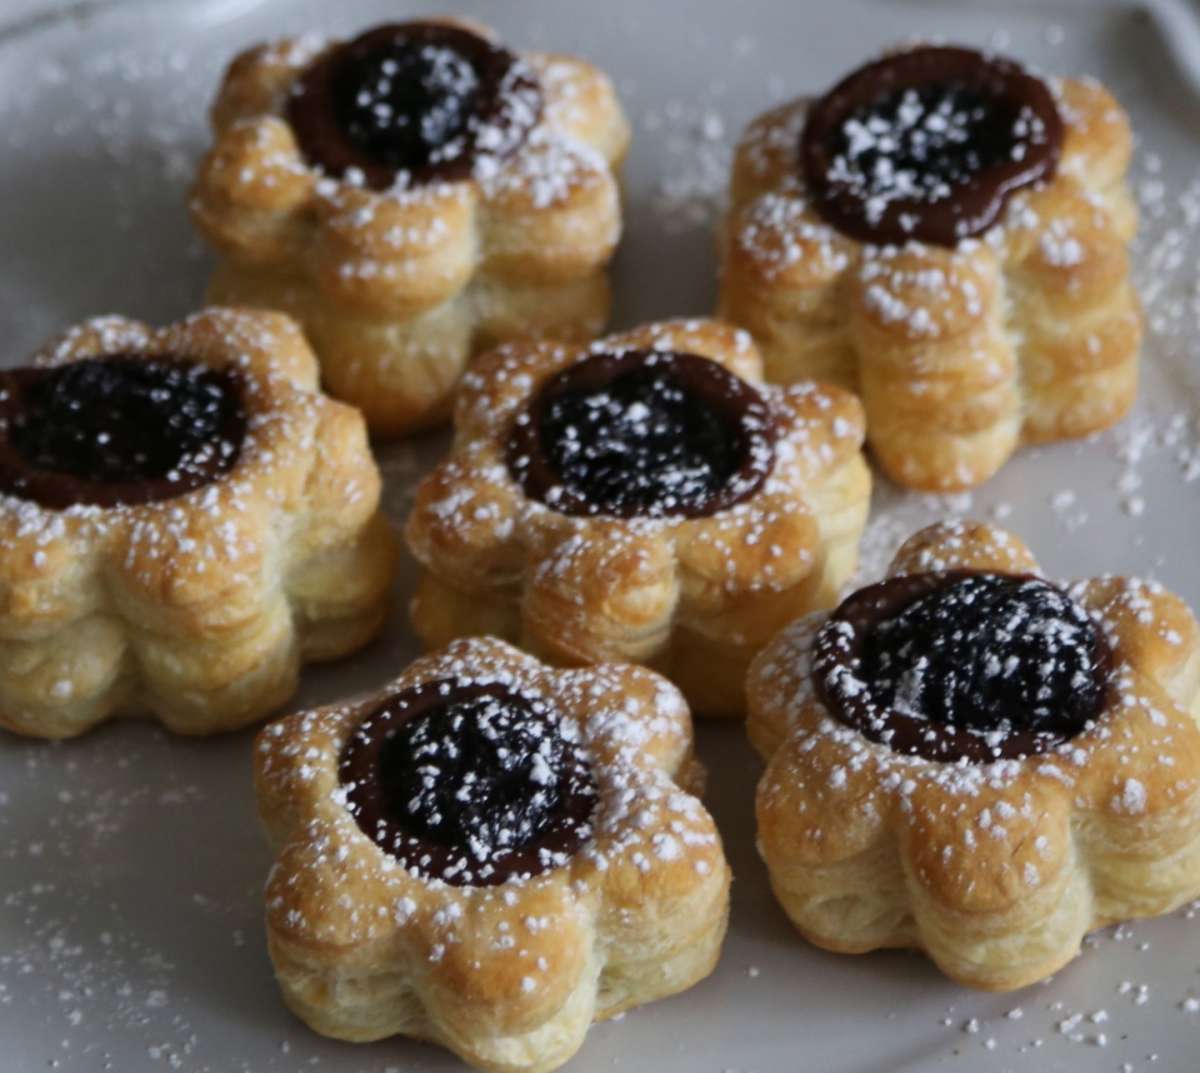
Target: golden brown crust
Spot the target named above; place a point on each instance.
(1029, 333)
(397, 289)
(996, 871)
(365, 949)
(198, 609)
(695, 598)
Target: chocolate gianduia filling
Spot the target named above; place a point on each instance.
(471, 784)
(643, 434)
(420, 99)
(928, 144)
(963, 665)
(119, 429)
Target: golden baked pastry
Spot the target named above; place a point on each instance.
(947, 235)
(970, 761)
(184, 519)
(646, 499)
(411, 196)
(489, 854)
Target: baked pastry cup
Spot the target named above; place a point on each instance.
(411, 196)
(646, 498)
(184, 520)
(946, 234)
(972, 762)
(490, 854)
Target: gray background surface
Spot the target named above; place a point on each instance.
(131, 865)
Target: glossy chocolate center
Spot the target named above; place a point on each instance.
(418, 99)
(928, 145)
(643, 434)
(963, 665)
(469, 784)
(118, 429)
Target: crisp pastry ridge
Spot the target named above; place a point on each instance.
(994, 870)
(199, 608)
(509, 975)
(692, 597)
(1029, 332)
(397, 288)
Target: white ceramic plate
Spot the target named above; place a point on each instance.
(131, 864)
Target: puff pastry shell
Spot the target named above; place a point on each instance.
(996, 871)
(695, 597)
(199, 609)
(1028, 333)
(396, 289)
(509, 976)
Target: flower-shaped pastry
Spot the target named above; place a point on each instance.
(971, 761)
(184, 518)
(410, 196)
(643, 499)
(946, 234)
(490, 854)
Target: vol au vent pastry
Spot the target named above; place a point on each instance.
(184, 519)
(490, 854)
(945, 233)
(972, 761)
(645, 498)
(410, 196)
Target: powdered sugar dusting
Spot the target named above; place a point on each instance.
(88, 928)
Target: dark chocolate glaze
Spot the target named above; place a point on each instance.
(643, 434)
(963, 665)
(422, 98)
(118, 429)
(928, 145)
(471, 784)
